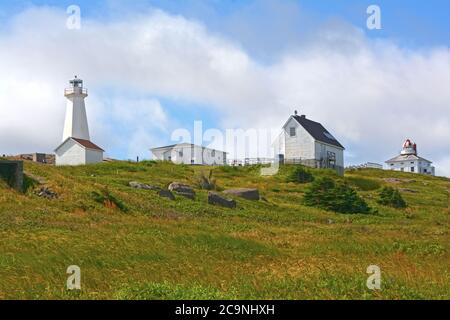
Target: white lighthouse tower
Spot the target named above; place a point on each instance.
(76, 147)
(76, 124)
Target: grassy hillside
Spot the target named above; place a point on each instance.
(275, 248)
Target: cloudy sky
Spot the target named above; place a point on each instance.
(152, 67)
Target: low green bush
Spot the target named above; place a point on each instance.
(339, 197)
(300, 175)
(391, 197)
(108, 200)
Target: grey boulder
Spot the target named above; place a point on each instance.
(143, 186)
(216, 199)
(246, 193)
(182, 189)
(166, 194)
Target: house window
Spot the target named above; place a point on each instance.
(425, 170)
(402, 169)
(331, 158)
(180, 153)
(412, 162)
(392, 164)
(412, 169)
(213, 153)
(192, 161)
(292, 132)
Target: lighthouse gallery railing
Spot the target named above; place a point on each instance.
(73, 90)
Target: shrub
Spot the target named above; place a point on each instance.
(324, 193)
(207, 182)
(108, 200)
(391, 197)
(300, 175)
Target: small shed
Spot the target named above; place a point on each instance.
(75, 151)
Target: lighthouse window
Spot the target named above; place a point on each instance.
(412, 169)
(292, 132)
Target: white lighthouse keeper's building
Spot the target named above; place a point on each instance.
(76, 147)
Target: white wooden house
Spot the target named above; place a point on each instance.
(187, 153)
(309, 143)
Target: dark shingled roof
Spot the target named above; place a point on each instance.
(88, 144)
(317, 131)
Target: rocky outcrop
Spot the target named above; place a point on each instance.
(246, 193)
(215, 198)
(182, 189)
(166, 194)
(46, 193)
(142, 186)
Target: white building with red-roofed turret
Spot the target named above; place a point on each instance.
(409, 161)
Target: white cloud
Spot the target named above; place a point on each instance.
(443, 165)
(371, 94)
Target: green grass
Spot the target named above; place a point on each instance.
(154, 248)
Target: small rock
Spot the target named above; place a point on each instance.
(246, 193)
(330, 221)
(182, 190)
(216, 199)
(408, 190)
(166, 194)
(143, 186)
(46, 193)
(187, 195)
